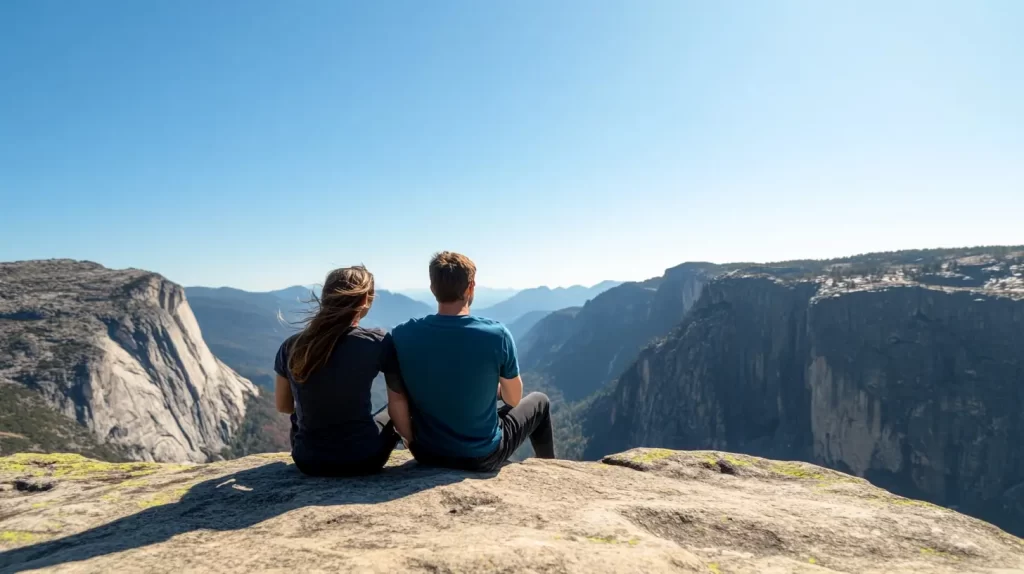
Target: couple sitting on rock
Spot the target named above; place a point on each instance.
(441, 372)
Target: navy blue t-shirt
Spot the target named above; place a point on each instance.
(333, 407)
(450, 367)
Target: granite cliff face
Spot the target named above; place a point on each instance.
(577, 351)
(640, 511)
(546, 337)
(119, 353)
(910, 376)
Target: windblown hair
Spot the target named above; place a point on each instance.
(346, 297)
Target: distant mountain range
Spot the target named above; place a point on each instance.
(541, 299)
(389, 307)
(485, 296)
(296, 293)
(245, 329)
(521, 326)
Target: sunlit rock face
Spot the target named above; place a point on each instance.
(119, 353)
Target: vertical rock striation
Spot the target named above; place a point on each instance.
(120, 352)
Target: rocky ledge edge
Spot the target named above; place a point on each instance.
(645, 510)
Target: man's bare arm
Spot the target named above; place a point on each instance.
(511, 390)
(283, 396)
(398, 410)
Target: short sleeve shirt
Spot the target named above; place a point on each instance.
(333, 405)
(450, 367)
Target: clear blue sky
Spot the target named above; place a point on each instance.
(259, 143)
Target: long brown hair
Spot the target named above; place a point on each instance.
(346, 297)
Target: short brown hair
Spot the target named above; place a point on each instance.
(450, 276)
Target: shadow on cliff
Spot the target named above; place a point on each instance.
(230, 502)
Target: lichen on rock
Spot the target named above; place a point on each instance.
(648, 510)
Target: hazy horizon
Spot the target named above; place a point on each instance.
(425, 288)
(258, 144)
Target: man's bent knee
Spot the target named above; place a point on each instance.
(540, 399)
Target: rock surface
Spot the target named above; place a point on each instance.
(577, 351)
(640, 511)
(912, 382)
(119, 353)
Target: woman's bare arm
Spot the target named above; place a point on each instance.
(398, 410)
(283, 395)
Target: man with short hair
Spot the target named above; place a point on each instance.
(445, 406)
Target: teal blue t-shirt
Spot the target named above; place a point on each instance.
(450, 366)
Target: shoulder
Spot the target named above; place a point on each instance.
(411, 323)
(410, 326)
(492, 327)
(281, 360)
(485, 323)
(287, 344)
(370, 334)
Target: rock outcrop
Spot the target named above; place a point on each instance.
(119, 353)
(643, 511)
(640, 511)
(912, 377)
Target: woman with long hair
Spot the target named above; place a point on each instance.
(324, 375)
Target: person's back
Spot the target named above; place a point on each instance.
(324, 375)
(332, 406)
(447, 357)
(454, 366)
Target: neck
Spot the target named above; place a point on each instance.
(455, 308)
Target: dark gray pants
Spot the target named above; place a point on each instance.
(531, 418)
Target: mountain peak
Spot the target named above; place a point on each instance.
(543, 299)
